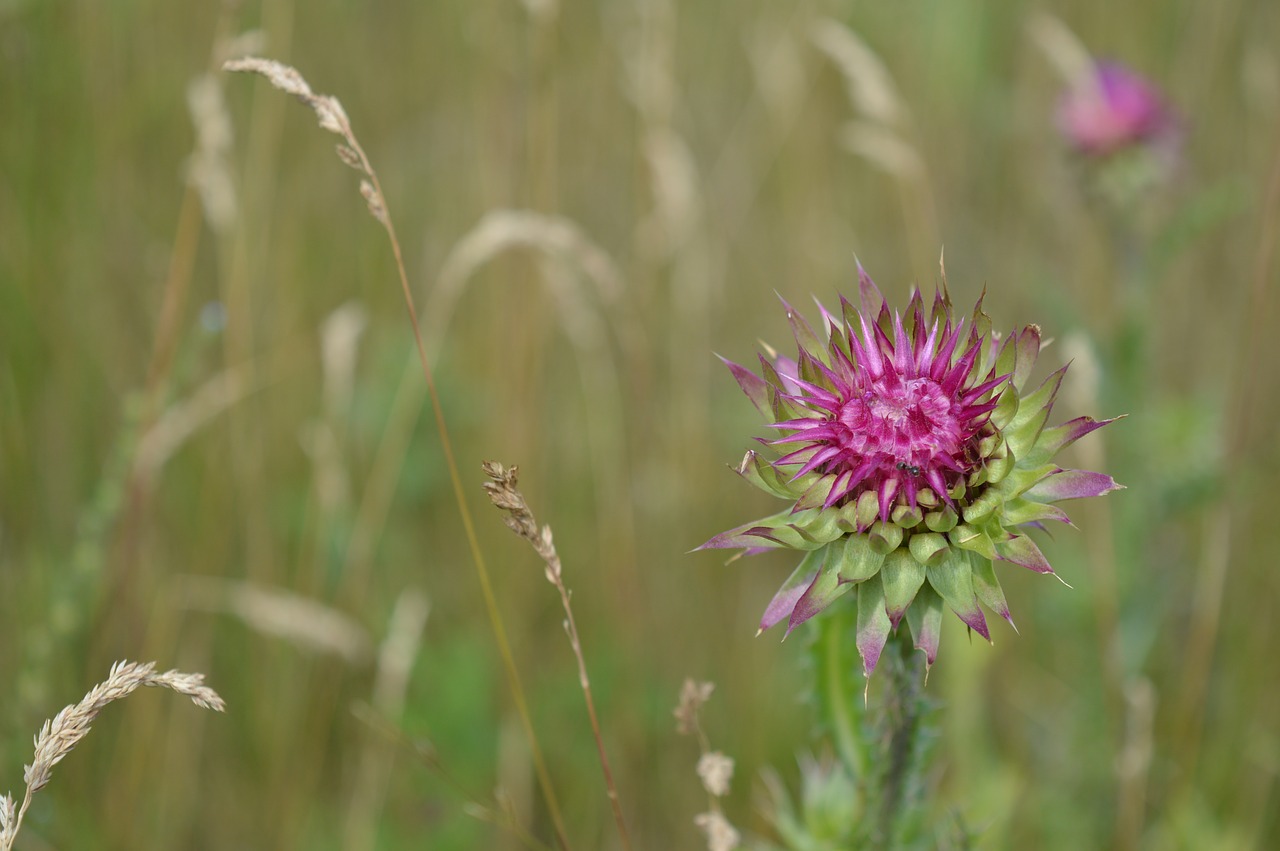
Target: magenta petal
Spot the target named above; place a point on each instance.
(825, 589)
(976, 621)
(1028, 350)
(808, 341)
(789, 594)
(780, 606)
(749, 536)
(1059, 437)
(1072, 484)
(1022, 551)
(756, 388)
(872, 299)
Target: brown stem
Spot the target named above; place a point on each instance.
(506, 496)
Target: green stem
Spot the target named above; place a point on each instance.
(881, 739)
(901, 733)
(836, 672)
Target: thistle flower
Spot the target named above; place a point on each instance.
(1112, 108)
(1127, 138)
(913, 456)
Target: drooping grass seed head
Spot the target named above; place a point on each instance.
(913, 455)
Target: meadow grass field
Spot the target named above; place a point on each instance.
(217, 449)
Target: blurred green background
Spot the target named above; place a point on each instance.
(206, 379)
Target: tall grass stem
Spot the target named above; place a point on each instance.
(506, 495)
(333, 118)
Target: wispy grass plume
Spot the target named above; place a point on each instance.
(58, 737)
(333, 118)
(506, 495)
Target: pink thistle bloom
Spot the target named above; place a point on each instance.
(1114, 108)
(913, 456)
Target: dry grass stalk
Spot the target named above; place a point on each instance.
(586, 286)
(339, 348)
(333, 118)
(714, 768)
(868, 82)
(505, 494)
(183, 419)
(302, 621)
(396, 656)
(58, 737)
(207, 167)
(555, 237)
(1064, 50)
(881, 135)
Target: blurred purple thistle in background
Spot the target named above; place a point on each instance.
(1113, 109)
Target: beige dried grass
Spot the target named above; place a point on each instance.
(714, 768)
(868, 82)
(166, 431)
(208, 170)
(396, 656)
(1063, 48)
(506, 496)
(302, 621)
(59, 736)
(555, 237)
(586, 287)
(882, 134)
(333, 118)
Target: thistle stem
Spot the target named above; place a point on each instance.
(900, 733)
(836, 671)
(882, 739)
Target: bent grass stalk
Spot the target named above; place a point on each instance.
(586, 285)
(59, 736)
(519, 519)
(333, 118)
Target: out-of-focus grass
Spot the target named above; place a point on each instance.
(470, 107)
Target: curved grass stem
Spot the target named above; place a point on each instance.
(506, 495)
(333, 117)
(473, 543)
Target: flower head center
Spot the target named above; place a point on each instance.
(894, 420)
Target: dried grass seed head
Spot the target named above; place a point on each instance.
(692, 695)
(715, 770)
(58, 737)
(721, 836)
